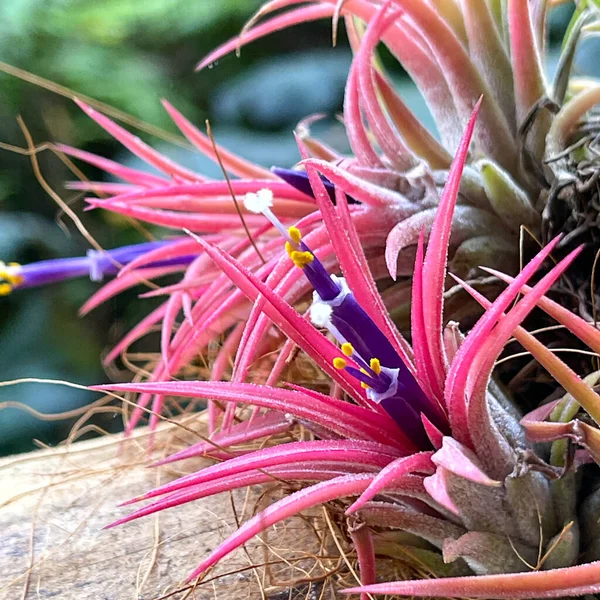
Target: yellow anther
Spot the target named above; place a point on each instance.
(347, 348)
(7, 272)
(295, 234)
(5, 289)
(375, 365)
(339, 363)
(301, 259)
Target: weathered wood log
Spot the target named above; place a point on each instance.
(54, 504)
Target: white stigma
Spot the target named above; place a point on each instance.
(320, 314)
(259, 202)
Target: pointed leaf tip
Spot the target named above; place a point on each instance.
(436, 260)
(86, 108)
(554, 583)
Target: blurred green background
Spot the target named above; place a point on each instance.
(129, 54)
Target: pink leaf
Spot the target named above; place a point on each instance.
(437, 487)
(178, 220)
(367, 454)
(488, 352)
(233, 163)
(116, 286)
(555, 583)
(289, 506)
(102, 187)
(168, 324)
(411, 48)
(390, 142)
(487, 52)
(355, 128)
(207, 189)
(114, 168)
(526, 61)
(269, 424)
(424, 368)
(143, 327)
(464, 82)
(137, 147)
(181, 247)
(458, 459)
(363, 191)
(461, 367)
(347, 420)
(420, 462)
(564, 375)
(585, 331)
(362, 541)
(433, 433)
(436, 259)
(300, 472)
(412, 130)
(301, 15)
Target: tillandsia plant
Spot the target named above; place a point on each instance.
(411, 437)
(417, 438)
(522, 171)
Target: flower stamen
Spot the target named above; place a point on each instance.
(339, 363)
(95, 264)
(375, 365)
(10, 276)
(301, 259)
(295, 234)
(347, 349)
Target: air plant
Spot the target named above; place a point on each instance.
(419, 435)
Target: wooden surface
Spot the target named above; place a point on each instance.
(54, 503)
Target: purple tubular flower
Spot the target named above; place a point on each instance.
(95, 264)
(299, 180)
(327, 288)
(382, 372)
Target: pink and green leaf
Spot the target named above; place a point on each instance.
(555, 583)
(436, 259)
